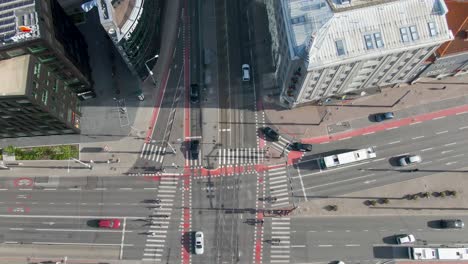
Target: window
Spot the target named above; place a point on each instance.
(404, 34)
(432, 29)
(414, 33)
(368, 40)
(378, 40)
(340, 47)
(37, 70)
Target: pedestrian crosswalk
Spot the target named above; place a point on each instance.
(278, 186)
(153, 152)
(281, 240)
(159, 221)
(281, 145)
(240, 156)
(191, 162)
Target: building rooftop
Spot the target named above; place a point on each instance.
(323, 36)
(14, 75)
(457, 19)
(18, 22)
(123, 14)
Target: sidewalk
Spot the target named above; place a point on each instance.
(313, 121)
(353, 204)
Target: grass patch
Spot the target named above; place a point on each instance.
(60, 152)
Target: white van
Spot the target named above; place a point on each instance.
(245, 72)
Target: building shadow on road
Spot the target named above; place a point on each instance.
(414, 170)
(419, 208)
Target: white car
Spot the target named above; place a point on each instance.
(409, 160)
(245, 72)
(199, 244)
(405, 239)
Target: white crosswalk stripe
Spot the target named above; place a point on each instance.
(240, 156)
(153, 152)
(280, 250)
(278, 186)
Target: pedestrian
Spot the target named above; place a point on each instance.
(445, 87)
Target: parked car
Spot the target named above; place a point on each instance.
(199, 243)
(194, 93)
(405, 239)
(245, 72)
(270, 134)
(383, 116)
(451, 223)
(194, 149)
(298, 146)
(409, 160)
(109, 223)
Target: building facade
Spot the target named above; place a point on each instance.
(134, 28)
(335, 48)
(42, 29)
(35, 101)
(451, 58)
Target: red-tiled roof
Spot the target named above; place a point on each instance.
(457, 19)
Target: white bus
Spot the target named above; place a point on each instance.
(438, 253)
(347, 157)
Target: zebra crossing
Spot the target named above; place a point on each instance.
(280, 231)
(193, 163)
(281, 145)
(240, 156)
(278, 183)
(159, 221)
(153, 152)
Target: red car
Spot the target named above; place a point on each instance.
(109, 223)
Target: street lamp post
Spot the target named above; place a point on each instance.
(149, 70)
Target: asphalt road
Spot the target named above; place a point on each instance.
(67, 213)
(365, 239)
(441, 144)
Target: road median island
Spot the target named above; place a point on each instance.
(58, 152)
(438, 194)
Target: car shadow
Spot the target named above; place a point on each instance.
(394, 161)
(391, 239)
(187, 241)
(434, 224)
(93, 223)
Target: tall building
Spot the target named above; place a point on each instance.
(333, 48)
(134, 27)
(34, 101)
(451, 58)
(42, 29)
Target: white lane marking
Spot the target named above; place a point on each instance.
(447, 151)
(74, 189)
(371, 181)
(123, 238)
(450, 144)
(67, 216)
(378, 159)
(81, 230)
(440, 117)
(450, 163)
(100, 189)
(330, 183)
(418, 137)
(459, 155)
(463, 127)
(442, 132)
(415, 123)
(391, 128)
(427, 162)
(344, 138)
(297, 246)
(16, 228)
(394, 142)
(369, 133)
(150, 188)
(126, 189)
(50, 189)
(81, 244)
(325, 245)
(426, 149)
(353, 245)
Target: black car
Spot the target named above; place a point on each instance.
(270, 134)
(298, 146)
(452, 223)
(194, 149)
(194, 93)
(383, 116)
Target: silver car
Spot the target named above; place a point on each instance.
(409, 160)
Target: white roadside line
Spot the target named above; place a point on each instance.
(80, 230)
(369, 133)
(302, 183)
(415, 123)
(461, 113)
(440, 117)
(80, 244)
(391, 128)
